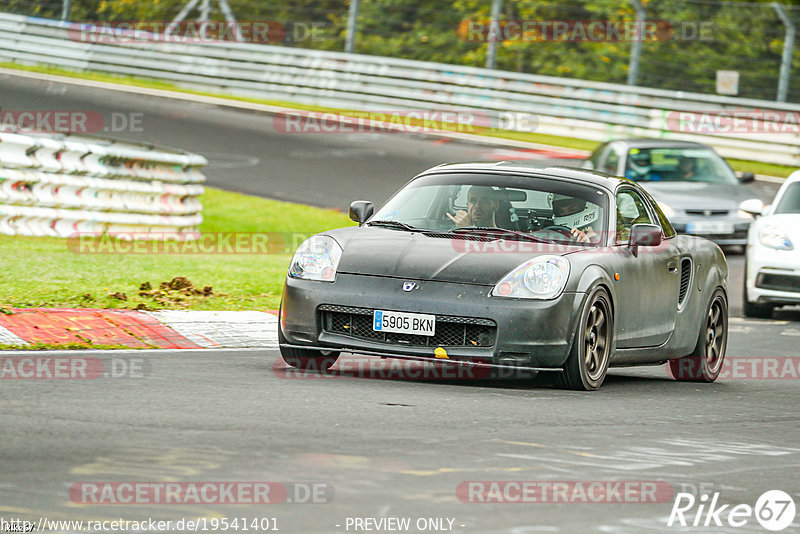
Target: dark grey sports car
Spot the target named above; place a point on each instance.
(499, 265)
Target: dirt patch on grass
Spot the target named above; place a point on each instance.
(176, 292)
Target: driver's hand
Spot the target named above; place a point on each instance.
(584, 236)
(461, 219)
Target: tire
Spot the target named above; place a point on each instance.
(705, 363)
(306, 359)
(587, 364)
(751, 309)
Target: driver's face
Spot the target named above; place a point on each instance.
(481, 208)
(569, 206)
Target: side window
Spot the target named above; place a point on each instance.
(631, 209)
(611, 165)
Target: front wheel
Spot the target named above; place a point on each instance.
(306, 359)
(705, 363)
(587, 363)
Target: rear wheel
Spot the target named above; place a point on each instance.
(306, 359)
(587, 363)
(705, 363)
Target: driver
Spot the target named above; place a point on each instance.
(578, 215)
(687, 168)
(481, 207)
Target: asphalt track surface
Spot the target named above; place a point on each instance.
(388, 447)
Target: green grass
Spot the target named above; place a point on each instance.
(567, 142)
(47, 272)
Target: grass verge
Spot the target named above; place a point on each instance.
(52, 272)
(769, 169)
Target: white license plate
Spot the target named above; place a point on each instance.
(404, 323)
(709, 227)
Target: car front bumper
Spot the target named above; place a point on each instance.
(691, 225)
(529, 333)
(773, 276)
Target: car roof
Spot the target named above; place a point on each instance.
(794, 177)
(575, 174)
(646, 142)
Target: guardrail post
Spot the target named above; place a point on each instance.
(65, 10)
(352, 26)
(636, 48)
(788, 51)
(494, 27)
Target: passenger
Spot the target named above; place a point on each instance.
(481, 208)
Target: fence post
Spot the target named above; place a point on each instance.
(65, 10)
(494, 24)
(788, 51)
(636, 48)
(352, 26)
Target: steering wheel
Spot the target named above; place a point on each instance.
(565, 231)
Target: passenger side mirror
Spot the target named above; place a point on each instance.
(753, 206)
(361, 210)
(644, 235)
(747, 177)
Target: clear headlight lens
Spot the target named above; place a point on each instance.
(540, 278)
(773, 237)
(316, 259)
(667, 209)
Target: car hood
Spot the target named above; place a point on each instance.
(697, 195)
(416, 256)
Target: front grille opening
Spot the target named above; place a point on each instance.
(709, 213)
(778, 282)
(686, 278)
(451, 331)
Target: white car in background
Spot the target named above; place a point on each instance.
(772, 259)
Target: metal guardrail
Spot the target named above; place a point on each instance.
(562, 106)
(64, 185)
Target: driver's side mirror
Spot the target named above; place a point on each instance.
(361, 210)
(644, 235)
(746, 177)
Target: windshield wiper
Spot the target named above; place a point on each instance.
(495, 230)
(394, 224)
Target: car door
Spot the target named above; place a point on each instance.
(649, 281)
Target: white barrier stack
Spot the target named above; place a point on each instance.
(63, 185)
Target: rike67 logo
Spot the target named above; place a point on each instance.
(774, 510)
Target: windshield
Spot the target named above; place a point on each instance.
(511, 207)
(677, 165)
(790, 200)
